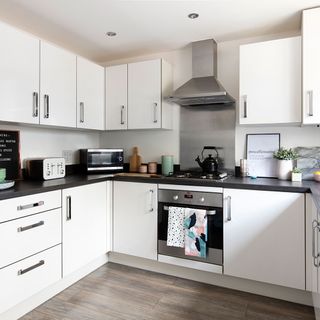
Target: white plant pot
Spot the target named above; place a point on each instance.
(284, 169)
(296, 176)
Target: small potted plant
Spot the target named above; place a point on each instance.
(296, 174)
(285, 159)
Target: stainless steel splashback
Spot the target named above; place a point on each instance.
(202, 126)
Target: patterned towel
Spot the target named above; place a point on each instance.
(175, 236)
(195, 224)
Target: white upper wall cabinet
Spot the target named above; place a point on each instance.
(19, 76)
(311, 66)
(117, 97)
(58, 86)
(149, 82)
(270, 82)
(90, 95)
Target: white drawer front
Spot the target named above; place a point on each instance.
(23, 279)
(22, 206)
(24, 237)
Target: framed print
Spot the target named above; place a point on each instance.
(260, 149)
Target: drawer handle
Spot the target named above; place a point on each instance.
(37, 265)
(31, 226)
(31, 205)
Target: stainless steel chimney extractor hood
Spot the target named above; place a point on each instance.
(203, 88)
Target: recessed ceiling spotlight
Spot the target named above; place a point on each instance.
(193, 15)
(111, 34)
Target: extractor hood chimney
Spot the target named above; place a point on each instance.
(203, 88)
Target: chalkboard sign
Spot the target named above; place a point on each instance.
(10, 154)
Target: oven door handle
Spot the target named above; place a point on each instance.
(208, 212)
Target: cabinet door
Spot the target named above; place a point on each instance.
(144, 94)
(312, 249)
(58, 86)
(270, 82)
(84, 215)
(264, 237)
(117, 97)
(19, 76)
(135, 219)
(311, 66)
(90, 95)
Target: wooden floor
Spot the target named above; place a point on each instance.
(119, 292)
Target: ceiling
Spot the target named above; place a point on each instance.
(145, 27)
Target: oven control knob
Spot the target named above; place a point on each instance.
(176, 197)
(202, 199)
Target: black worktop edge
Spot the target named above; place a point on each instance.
(25, 188)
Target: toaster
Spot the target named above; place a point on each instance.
(45, 168)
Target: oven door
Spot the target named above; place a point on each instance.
(214, 234)
(105, 159)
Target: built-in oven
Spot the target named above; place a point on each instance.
(210, 200)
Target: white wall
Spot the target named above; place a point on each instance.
(228, 73)
(50, 142)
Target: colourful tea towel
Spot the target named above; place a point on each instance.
(175, 236)
(195, 224)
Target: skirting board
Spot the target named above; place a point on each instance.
(264, 289)
(41, 297)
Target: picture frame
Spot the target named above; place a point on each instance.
(259, 151)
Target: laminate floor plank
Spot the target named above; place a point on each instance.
(119, 292)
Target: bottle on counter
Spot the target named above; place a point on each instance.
(135, 160)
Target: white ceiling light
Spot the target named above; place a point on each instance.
(193, 15)
(111, 34)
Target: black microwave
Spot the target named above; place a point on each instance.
(101, 160)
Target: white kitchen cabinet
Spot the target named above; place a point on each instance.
(264, 236)
(149, 82)
(270, 82)
(27, 277)
(117, 97)
(58, 86)
(311, 66)
(19, 76)
(135, 219)
(90, 95)
(84, 216)
(312, 245)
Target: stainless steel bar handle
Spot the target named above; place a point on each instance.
(315, 253)
(228, 208)
(46, 106)
(151, 200)
(68, 208)
(37, 265)
(35, 104)
(245, 106)
(31, 226)
(155, 107)
(310, 103)
(121, 115)
(81, 112)
(29, 206)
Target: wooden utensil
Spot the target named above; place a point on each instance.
(135, 160)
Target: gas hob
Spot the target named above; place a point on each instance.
(216, 176)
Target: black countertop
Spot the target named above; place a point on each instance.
(23, 188)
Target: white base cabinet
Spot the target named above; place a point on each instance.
(84, 223)
(135, 219)
(270, 82)
(25, 278)
(264, 236)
